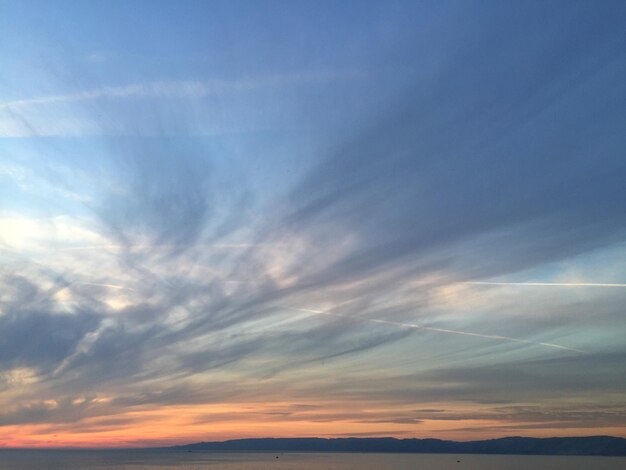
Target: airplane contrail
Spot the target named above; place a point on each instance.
(444, 330)
(545, 284)
(112, 286)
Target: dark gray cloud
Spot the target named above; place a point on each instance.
(34, 333)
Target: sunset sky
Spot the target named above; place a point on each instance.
(299, 218)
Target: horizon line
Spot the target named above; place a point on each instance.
(173, 446)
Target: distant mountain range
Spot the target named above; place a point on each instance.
(594, 445)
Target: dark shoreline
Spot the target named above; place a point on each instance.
(583, 446)
(588, 446)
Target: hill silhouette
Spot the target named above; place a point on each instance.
(592, 445)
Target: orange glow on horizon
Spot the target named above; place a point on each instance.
(188, 424)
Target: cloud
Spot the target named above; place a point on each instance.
(545, 284)
(177, 258)
(184, 88)
(447, 331)
(36, 335)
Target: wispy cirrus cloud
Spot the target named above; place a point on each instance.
(447, 331)
(186, 88)
(544, 284)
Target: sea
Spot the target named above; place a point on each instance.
(170, 459)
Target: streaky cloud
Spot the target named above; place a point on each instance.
(444, 330)
(543, 284)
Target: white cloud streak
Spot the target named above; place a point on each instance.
(111, 286)
(445, 330)
(183, 88)
(544, 284)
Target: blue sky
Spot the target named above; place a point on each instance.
(235, 219)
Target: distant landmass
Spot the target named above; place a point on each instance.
(593, 445)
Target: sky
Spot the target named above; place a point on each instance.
(275, 219)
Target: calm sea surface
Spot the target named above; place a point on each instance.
(164, 460)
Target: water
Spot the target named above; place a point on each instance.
(165, 460)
